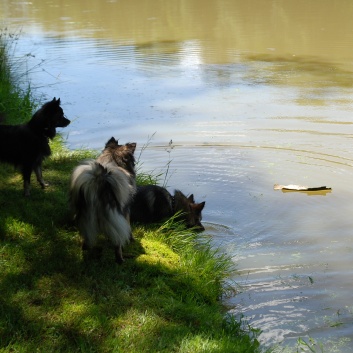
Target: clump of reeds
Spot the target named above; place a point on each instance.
(16, 99)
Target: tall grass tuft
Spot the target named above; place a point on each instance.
(202, 263)
(16, 99)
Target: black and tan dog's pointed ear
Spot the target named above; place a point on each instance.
(58, 101)
(197, 207)
(111, 141)
(191, 198)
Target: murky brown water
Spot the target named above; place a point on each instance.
(252, 93)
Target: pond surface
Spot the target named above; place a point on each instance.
(234, 96)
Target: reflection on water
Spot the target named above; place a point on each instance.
(281, 29)
(311, 193)
(252, 93)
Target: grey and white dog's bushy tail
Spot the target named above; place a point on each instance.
(99, 198)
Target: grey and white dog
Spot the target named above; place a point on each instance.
(101, 192)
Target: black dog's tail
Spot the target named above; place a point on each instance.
(98, 196)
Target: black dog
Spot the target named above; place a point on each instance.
(26, 145)
(153, 203)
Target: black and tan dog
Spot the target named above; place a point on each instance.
(153, 203)
(101, 191)
(27, 145)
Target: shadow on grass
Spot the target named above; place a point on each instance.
(52, 299)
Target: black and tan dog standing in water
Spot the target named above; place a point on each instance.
(26, 146)
(153, 203)
(101, 192)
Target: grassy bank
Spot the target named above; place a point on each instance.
(164, 298)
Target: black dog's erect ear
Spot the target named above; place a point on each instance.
(56, 100)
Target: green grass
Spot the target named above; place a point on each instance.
(166, 297)
(17, 103)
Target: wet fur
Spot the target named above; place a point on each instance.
(153, 203)
(26, 146)
(101, 191)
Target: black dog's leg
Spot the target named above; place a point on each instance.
(38, 171)
(26, 173)
(119, 255)
(26, 188)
